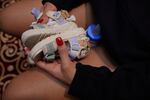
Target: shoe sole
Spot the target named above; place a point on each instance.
(36, 52)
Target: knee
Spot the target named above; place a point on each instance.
(17, 17)
(23, 87)
(35, 85)
(2, 20)
(16, 90)
(7, 24)
(13, 93)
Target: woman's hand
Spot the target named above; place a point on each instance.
(47, 7)
(64, 69)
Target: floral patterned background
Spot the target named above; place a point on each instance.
(12, 57)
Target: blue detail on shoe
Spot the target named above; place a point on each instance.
(93, 32)
(35, 12)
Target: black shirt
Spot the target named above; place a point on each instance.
(126, 37)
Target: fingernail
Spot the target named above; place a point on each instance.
(59, 41)
(40, 21)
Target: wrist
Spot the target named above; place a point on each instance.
(70, 73)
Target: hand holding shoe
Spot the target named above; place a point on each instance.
(64, 69)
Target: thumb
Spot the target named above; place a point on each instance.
(62, 50)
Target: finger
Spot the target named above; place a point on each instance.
(27, 50)
(62, 50)
(43, 19)
(41, 64)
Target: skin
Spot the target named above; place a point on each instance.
(8, 16)
(64, 70)
(47, 81)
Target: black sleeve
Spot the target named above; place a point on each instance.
(128, 82)
(65, 4)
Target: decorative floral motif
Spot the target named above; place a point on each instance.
(12, 57)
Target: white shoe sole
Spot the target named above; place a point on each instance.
(36, 52)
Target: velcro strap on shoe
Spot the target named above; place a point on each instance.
(49, 51)
(53, 14)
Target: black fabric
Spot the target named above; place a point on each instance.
(126, 38)
(65, 4)
(128, 82)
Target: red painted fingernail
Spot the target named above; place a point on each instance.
(40, 21)
(59, 41)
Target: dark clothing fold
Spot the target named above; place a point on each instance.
(125, 30)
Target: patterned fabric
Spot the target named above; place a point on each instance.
(12, 57)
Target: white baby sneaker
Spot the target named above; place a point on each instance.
(41, 37)
(76, 40)
(33, 36)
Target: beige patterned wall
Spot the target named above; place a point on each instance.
(12, 57)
